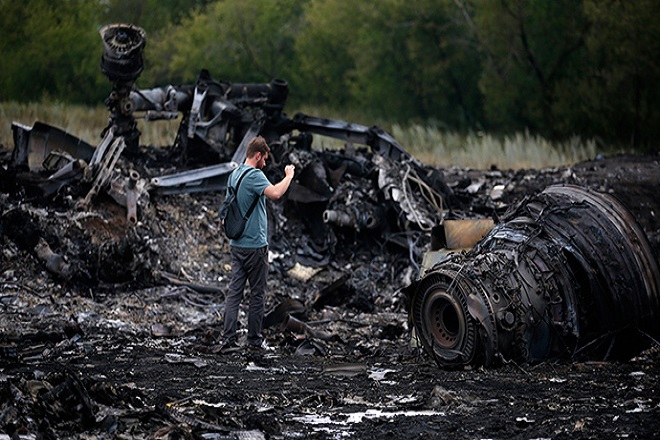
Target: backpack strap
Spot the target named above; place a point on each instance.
(256, 199)
(252, 206)
(240, 179)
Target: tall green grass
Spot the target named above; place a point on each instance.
(84, 122)
(482, 150)
(428, 143)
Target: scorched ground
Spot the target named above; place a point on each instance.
(124, 347)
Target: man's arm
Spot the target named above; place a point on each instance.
(276, 191)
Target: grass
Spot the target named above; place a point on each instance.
(81, 121)
(482, 150)
(430, 144)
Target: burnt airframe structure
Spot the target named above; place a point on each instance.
(566, 274)
(218, 121)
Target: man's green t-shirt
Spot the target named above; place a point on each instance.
(253, 185)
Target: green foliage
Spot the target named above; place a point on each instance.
(621, 92)
(323, 46)
(151, 15)
(401, 60)
(556, 68)
(50, 49)
(382, 60)
(531, 48)
(247, 41)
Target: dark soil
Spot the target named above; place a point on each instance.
(125, 347)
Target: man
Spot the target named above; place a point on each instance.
(249, 253)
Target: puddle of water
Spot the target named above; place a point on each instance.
(338, 425)
(357, 417)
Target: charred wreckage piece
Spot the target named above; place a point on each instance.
(218, 120)
(567, 274)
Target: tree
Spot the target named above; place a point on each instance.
(151, 15)
(403, 59)
(431, 69)
(50, 48)
(621, 92)
(532, 51)
(322, 47)
(247, 41)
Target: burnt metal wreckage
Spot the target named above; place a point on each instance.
(218, 121)
(568, 273)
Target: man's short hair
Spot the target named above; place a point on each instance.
(257, 145)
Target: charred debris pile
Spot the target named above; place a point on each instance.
(567, 274)
(554, 276)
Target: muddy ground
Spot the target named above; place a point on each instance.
(124, 347)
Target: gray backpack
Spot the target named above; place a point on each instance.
(233, 222)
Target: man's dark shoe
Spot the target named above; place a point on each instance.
(260, 347)
(226, 347)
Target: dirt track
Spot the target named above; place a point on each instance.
(134, 359)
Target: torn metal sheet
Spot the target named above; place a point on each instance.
(567, 274)
(33, 145)
(213, 177)
(104, 169)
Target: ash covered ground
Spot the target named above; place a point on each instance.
(124, 345)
